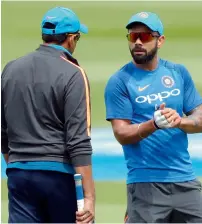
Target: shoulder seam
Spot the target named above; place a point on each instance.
(174, 66)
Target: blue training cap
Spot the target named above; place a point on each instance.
(65, 21)
(149, 19)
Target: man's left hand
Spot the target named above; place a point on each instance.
(172, 117)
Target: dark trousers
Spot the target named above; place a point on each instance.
(41, 197)
(164, 202)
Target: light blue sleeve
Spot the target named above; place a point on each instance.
(117, 102)
(192, 98)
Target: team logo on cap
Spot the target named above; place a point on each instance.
(143, 15)
(167, 81)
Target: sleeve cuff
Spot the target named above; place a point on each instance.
(193, 107)
(82, 160)
(118, 117)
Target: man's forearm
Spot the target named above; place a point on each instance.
(87, 181)
(133, 133)
(193, 122)
(190, 125)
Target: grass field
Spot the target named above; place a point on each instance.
(103, 51)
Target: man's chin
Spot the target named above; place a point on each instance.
(139, 60)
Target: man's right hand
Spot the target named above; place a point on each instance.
(166, 118)
(88, 214)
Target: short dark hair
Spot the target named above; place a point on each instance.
(56, 38)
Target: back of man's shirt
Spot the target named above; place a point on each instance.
(134, 94)
(45, 103)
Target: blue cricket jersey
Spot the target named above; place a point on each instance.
(132, 94)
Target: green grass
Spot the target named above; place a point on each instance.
(104, 50)
(110, 202)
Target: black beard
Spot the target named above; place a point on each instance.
(143, 59)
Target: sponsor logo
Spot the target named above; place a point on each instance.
(140, 89)
(157, 96)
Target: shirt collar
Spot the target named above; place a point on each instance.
(61, 51)
(59, 47)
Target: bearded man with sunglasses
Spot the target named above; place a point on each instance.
(146, 101)
(46, 127)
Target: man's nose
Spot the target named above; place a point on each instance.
(138, 41)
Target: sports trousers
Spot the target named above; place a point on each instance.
(41, 197)
(164, 202)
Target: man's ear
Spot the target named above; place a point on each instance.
(67, 41)
(161, 41)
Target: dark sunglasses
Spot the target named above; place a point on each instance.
(143, 36)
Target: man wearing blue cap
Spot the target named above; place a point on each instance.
(46, 127)
(146, 101)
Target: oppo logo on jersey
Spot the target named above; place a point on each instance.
(157, 96)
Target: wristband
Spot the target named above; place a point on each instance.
(156, 126)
